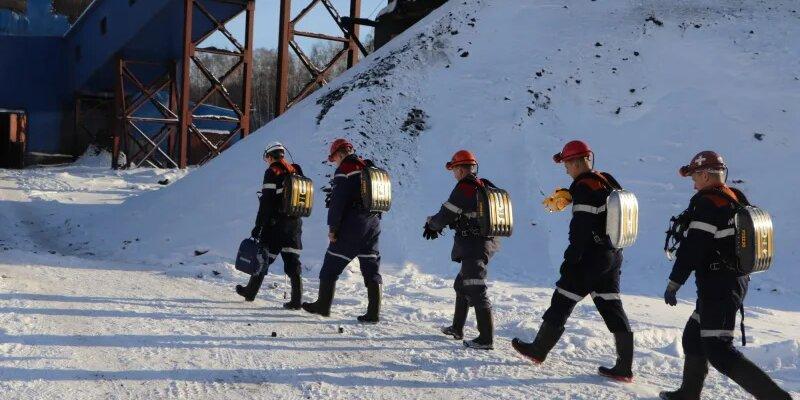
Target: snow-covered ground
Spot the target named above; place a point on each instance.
(81, 327)
(105, 297)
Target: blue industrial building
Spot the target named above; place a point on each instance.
(132, 56)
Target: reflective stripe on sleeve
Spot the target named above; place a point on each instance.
(279, 191)
(368, 256)
(588, 209)
(705, 227)
(725, 233)
(474, 282)
(346, 175)
(290, 250)
(572, 296)
(452, 207)
(269, 186)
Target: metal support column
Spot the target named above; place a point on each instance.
(135, 132)
(192, 138)
(351, 45)
(352, 51)
(186, 85)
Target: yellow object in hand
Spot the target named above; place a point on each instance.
(558, 201)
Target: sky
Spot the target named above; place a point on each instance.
(319, 21)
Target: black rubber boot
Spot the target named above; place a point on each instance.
(485, 339)
(695, 370)
(622, 370)
(755, 381)
(324, 299)
(546, 339)
(295, 303)
(374, 305)
(250, 291)
(459, 318)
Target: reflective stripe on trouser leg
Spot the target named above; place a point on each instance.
(334, 264)
(609, 305)
(561, 306)
(291, 250)
(337, 255)
(370, 268)
(691, 337)
(473, 283)
(716, 333)
(605, 296)
(265, 259)
(718, 323)
(566, 293)
(292, 266)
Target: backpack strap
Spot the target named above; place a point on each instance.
(298, 170)
(474, 180)
(612, 182)
(735, 200)
(466, 223)
(487, 183)
(285, 166)
(605, 179)
(740, 196)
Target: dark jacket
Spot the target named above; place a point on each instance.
(587, 229)
(345, 212)
(275, 225)
(710, 238)
(458, 213)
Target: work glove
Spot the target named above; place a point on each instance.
(558, 201)
(429, 233)
(670, 295)
(256, 232)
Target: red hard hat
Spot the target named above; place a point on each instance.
(573, 149)
(462, 157)
(704, 161)
(337, 145)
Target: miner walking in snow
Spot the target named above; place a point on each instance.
(591, 265)
(470, 248)
(353, 233)
(278, 233)
(708, 249)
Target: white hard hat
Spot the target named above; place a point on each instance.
(274, 146)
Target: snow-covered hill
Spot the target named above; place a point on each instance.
(647, 83)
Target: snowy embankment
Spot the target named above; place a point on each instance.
(647, 83)
(80, 327)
